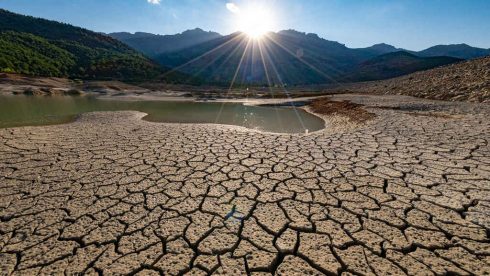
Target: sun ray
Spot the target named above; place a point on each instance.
(264, 64)
(220, 55)
(303, 61)
(286, 92)
(298, 57)
(269, 84)
(232, 54)
(234, 79)
(176, 69)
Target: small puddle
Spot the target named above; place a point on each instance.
(20, 110)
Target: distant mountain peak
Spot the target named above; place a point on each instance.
(291, 32)
(461, 50)
(153, 44)
(128, 35)
(456, 45)
(198, 31)
(312, 37)
(193, 31)
(143, 33)
(383, 46)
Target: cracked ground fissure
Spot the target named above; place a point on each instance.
(112, 194)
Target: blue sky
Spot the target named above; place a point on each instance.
(411, 24)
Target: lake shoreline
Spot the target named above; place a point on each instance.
(23, 110)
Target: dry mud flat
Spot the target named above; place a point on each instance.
(407, 192)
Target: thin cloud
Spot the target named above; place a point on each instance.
(232, 7)
(154, 2)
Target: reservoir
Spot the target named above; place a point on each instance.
(21, 110)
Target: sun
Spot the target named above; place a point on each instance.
(255, 20)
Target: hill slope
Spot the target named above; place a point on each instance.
(152, 45)
(381, 49)
(463, 81)
(41, 47)
(396, 64)
(463, 51)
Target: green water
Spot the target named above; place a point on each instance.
(44, 110)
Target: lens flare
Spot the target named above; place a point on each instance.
(255, 20)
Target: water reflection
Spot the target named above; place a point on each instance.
(35, 110)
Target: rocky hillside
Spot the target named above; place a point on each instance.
(464, 81)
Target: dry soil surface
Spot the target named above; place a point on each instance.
(110, 193)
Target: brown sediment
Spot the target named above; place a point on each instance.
(355, 112)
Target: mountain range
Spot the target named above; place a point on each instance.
(151, 44)
(215, 58)
(40, 47)
(462, 51)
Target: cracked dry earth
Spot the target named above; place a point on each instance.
(112, 194)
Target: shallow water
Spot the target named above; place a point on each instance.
(44, 110)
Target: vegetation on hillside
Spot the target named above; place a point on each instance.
(41, 47)
(29, 54)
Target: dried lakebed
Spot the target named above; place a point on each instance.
(43, 110)
(407, 192)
